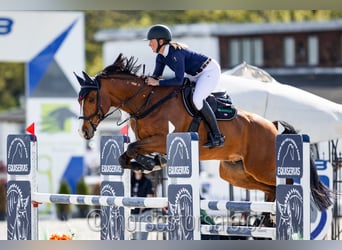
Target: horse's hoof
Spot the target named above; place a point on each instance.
(156, 168)
(147, 162)
(161, 161)
(136, 166)
(124, 163)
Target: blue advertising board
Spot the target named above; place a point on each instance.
(111, 149)
(18, 154)
(289, 156)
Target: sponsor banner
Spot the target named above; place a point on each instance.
(289, 217)
(181, 220)
(179, 155)
(17, 28)
(289, 160)
(51, 55)
(19, 154)
(19, 210)
(60, 146)
(111, 149)
(112, 217)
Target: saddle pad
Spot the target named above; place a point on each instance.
(225, 113)
(222, 108)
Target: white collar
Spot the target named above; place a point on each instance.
(166, 50)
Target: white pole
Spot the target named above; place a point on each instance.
(194, 181)
(34, 188)
(305, 183)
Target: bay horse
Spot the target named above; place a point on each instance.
(247, 159)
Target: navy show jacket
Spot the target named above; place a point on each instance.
(180, 61)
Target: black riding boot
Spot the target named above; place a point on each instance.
(215, 138)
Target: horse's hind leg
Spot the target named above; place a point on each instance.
(234, 173)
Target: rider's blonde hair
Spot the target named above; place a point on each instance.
(178, 45)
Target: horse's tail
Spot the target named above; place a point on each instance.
(288, 129)
(321, 194)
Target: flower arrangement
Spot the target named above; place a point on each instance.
(60, 237)
(63, 236)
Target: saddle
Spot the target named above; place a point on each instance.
(220, 102)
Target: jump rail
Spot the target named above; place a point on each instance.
(140, 202)
(183, 190)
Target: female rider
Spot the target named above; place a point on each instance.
(203, 70)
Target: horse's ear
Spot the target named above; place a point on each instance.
(118, 59)
(87, 77)
(79, 79)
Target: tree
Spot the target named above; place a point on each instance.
(63, 210)
(12, 74)
(12, 85)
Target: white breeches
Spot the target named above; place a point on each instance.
(206, 82)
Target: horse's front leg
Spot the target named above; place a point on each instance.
(126, 162)
(138, 151)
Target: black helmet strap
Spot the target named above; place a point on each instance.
(161, 45)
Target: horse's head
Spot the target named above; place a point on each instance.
(92, 107)
(111, 87)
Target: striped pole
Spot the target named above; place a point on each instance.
(141, 202)
(243, 206)
(75, 199)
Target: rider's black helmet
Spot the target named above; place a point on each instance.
(159, 31)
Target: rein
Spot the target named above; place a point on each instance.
(139, 114)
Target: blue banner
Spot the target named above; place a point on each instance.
(19, 154)
(19, 210)
(111, 149)
(289, 217)
(289, 149)
(179, 155)
(112, 217)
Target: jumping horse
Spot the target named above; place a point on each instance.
(247, 159)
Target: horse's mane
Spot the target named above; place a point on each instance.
(121, 65)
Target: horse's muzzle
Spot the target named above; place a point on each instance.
(86, 133)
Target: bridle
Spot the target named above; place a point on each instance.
(99, 112)
(140, 113)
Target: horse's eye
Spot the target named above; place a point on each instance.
(91, 99)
